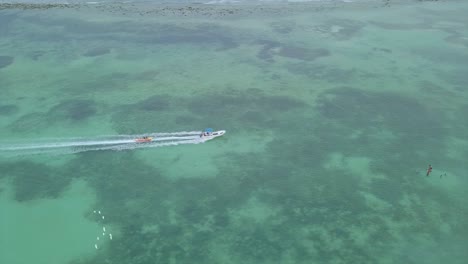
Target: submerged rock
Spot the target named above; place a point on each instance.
(302, 53)
(74, 110)
(96, 52)
(154, 103)
(5, 61)
(272, 48)
(8, 109)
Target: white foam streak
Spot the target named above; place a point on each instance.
(119, 142)
(67, 144)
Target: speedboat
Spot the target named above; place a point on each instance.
(144, 139)
(210, 134)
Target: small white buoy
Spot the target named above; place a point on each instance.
(97, 238)
(99, 212)
(95, 245)
(94, 211)
(110, 236)
(103, 234)
(104, 228)
(102, 217)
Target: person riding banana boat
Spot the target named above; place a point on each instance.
(144, 139)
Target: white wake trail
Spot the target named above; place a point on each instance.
(111, 142)
(67, 144)
(150, 145)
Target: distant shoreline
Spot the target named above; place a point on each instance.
(210, 7)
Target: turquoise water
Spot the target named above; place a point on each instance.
(333, 113)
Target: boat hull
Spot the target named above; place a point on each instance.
(213, 135)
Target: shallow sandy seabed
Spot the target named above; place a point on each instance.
(333, 113)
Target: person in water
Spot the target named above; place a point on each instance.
(429, 170)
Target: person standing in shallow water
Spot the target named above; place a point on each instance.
(429, 170)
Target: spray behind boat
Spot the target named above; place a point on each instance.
(114, 142)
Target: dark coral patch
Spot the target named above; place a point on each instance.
(75, 110)
(354, 107)
(440, 56)
(278, 103)
(302, 53)
(33, 180)
(199, 35)
(385, 50)
(154, 103)
(253, 116)
(29, 123)
(148, 75)
(283, 27)
(130, 119)
(150, 114)
(365, 108)
(317, 71)
(8, 109)
(340, 29)
(104, 83)
(266, 52)
(269, 44)
(228, 109)
(5, 61)
(154, 33)
(462, 122)
(458, 79)
(187, 120)
(432, 88)
(347, 28)
(273, 48)
(101, 168)
(400, 26)
(405, 120)
(217, 104)
(77, 26)
(215, 109)
(457, 38)
(96, 52)
(6, 20)
(37, 54)
(256, 246)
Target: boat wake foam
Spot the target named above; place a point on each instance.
(117, 142)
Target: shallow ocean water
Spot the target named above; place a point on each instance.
(333, 111)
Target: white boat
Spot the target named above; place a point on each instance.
(209, 134)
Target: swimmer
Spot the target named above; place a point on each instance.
(429, 170)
